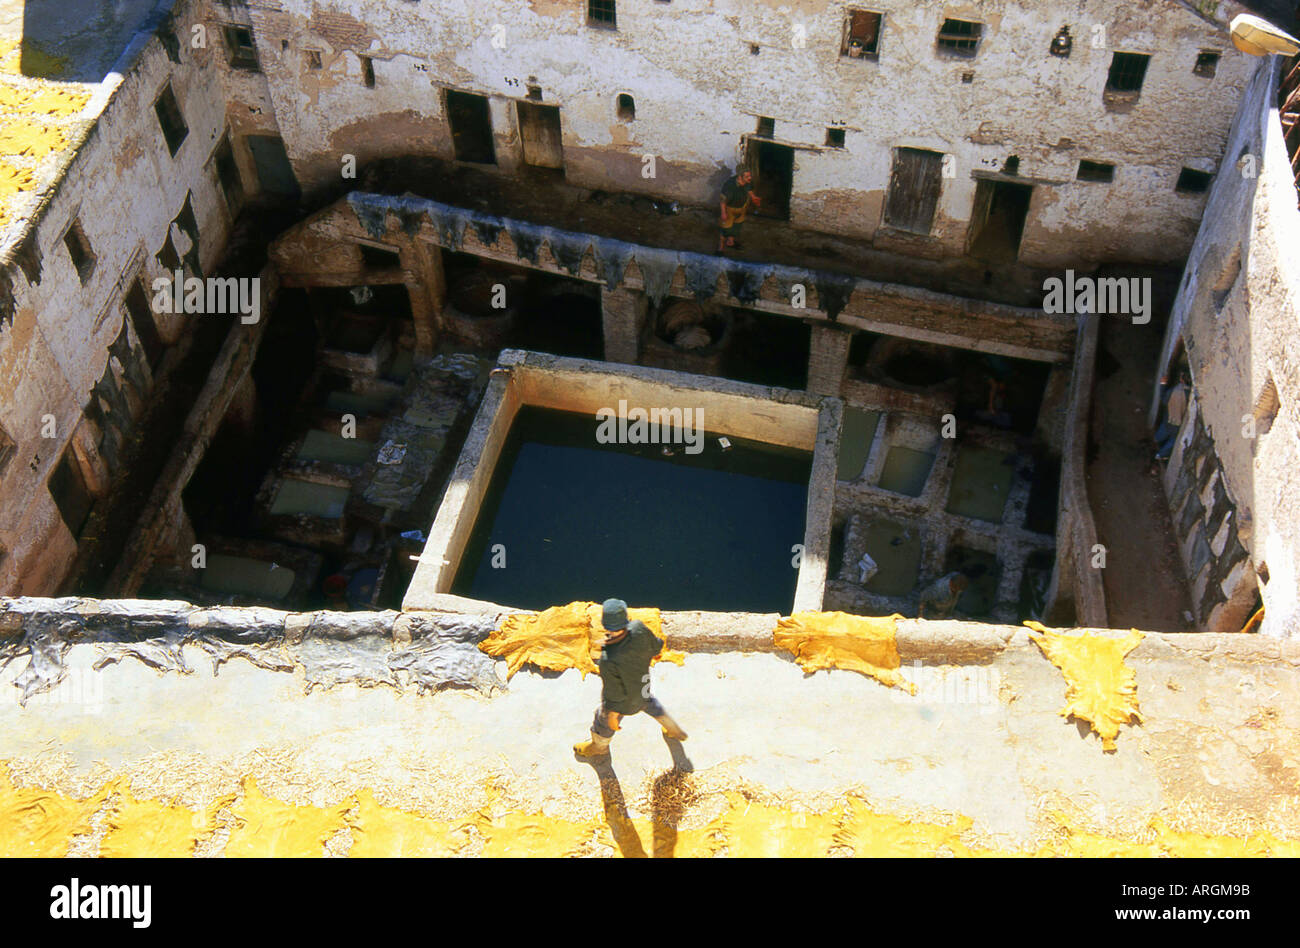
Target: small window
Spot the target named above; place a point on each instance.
(1011, 165)
(83, 258)
(239, 46)
(861, 34)
(368, 71)
(7, 450)
(959, 37)
(67, 485)
(1207, 63)
(379, 258)
(834, 138)
(754, 49)
(1191, 181)
(1127, 71)
(626, 108)
(766, 127)
(170, 119)
(232, 185)
(1098, 171)
(533, 93)
(314, 59)
(601, 14)
(139, 312)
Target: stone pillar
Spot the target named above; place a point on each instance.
(828, 358)
(1055, 406)
(426, 285)
(623, 313)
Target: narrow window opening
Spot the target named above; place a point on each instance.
(232, 186)
(368, 71)
(1011, 165)
(1127, 72)
(1191, 181)
(1097, 171)
(67, 485)
(626, 108)
(861, 34)
(136, 304)
(379, 258)
(170, 119)
(83, 258)
(534, 93)
(314, 61)
(834, 138)
(241, 50)
(602, 14)
(766, 127)
(1207, 64)
(959, 38)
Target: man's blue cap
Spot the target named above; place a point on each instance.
(613, 615)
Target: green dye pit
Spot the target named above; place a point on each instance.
(573, 519)
(897, 551)
(855, 441)
(297, 496)
(906, 471)
(981, 481)
(245, 576)
(335, 449)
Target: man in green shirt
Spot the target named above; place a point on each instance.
(624, 662)
(737, 198)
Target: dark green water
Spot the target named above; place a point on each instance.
(581, 520)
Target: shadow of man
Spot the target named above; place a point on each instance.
(671, 795)
(615, 806)
(669, 798)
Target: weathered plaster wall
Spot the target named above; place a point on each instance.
(125, 189)
(699, 89)
(1238, 314)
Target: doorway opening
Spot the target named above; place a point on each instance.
(471, 127)
(773, 168)
(539, 130)
(998, 220)
(274, 173)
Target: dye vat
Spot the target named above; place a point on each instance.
(334, 448)
(244, 576)
(897, 552)
(981, 481)
(856, 435)
(906, 471)
(567, 518)
(984, 572)
(297, 497)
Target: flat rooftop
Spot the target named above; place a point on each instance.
(53, 56)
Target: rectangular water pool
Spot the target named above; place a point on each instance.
(576, 519)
